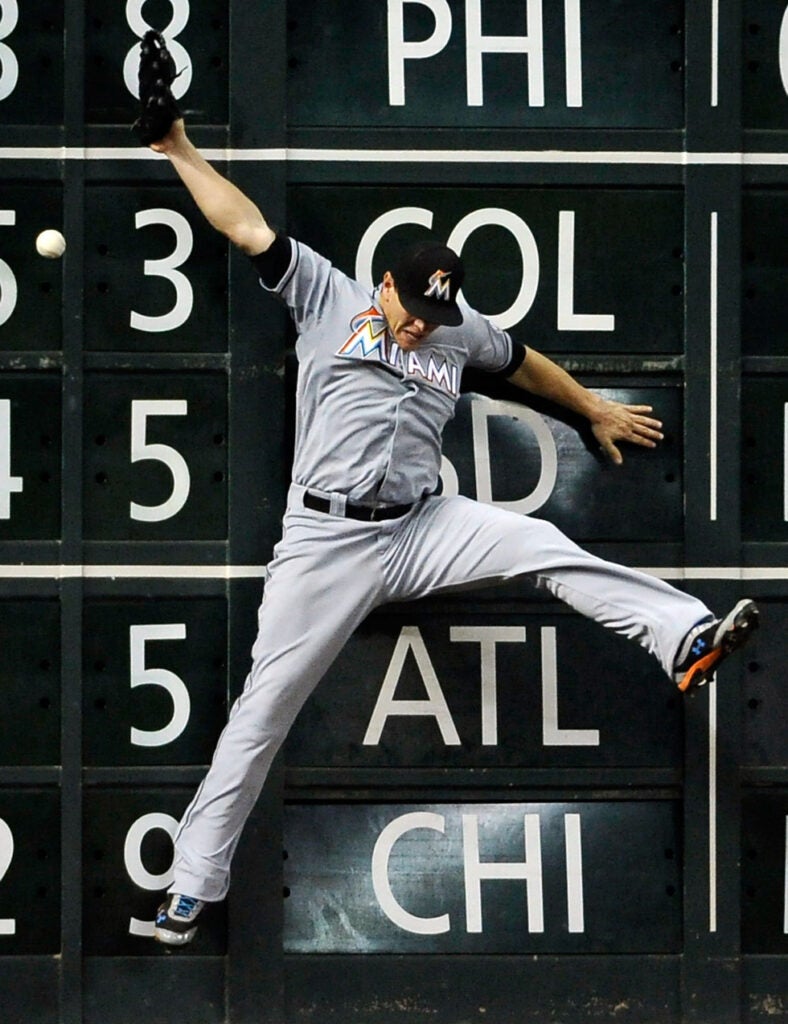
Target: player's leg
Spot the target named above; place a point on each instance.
(323, 580)
(462, 542)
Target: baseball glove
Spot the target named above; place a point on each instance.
(156, 75)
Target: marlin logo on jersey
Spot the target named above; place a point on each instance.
(371, 342)
(369, 334)
(439, 286)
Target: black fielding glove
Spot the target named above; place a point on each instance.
(156, 75)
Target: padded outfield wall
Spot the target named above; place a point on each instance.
(615, 173)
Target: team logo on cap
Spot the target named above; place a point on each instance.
(439, 286)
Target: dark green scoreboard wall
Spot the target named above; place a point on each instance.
(489, 811)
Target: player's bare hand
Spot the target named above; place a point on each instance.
(615, 421)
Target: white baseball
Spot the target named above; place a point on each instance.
(51, 243)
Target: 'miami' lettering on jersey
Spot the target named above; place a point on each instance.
(443, 373)
(370, 341)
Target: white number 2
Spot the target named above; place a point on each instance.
(166, 267)
(174, 685)
(7, 924)
(141, 409)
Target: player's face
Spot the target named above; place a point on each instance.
(409, 331)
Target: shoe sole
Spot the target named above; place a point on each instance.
(734, 630)
(171, 938)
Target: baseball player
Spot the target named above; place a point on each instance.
(379, 376)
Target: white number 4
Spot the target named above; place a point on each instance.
(8, 484)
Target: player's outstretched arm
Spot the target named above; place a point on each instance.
(225, 206)
(610, 421)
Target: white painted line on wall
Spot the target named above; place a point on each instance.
(236, 572)
(121, 572)
(785, 462)
(713, 805)
(713, 370)
(678, 158)
(715, 51)
(785, 895)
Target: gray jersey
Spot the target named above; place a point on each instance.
(370, 416)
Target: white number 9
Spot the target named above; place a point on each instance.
(138, 873)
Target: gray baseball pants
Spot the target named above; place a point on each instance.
(329, 572)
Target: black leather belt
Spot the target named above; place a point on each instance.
(366, 513)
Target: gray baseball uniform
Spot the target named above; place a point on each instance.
(369, 422)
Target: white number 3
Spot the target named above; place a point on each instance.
(166, 267)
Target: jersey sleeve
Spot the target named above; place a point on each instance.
(490, 348)
(304, 280)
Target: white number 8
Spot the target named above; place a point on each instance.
(138, 25)
(9, 67)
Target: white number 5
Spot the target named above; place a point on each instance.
(141, 409)
(174, 685)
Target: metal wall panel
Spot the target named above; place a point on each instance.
(504, 452)
(617, 184)
(765, 77)
(154, 680)
(155, 456)
(765, 458)
(200, 40)
(30, 724)
(32, 37)
(31, 289)
(472, 688)
(565, 68)
(514, 878)
(765, 217)
(127, 863)
(156, 277)
(30, 877)
(581, 270)
(30, 409)
(764, 867)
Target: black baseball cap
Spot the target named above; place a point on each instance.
(427, 278)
